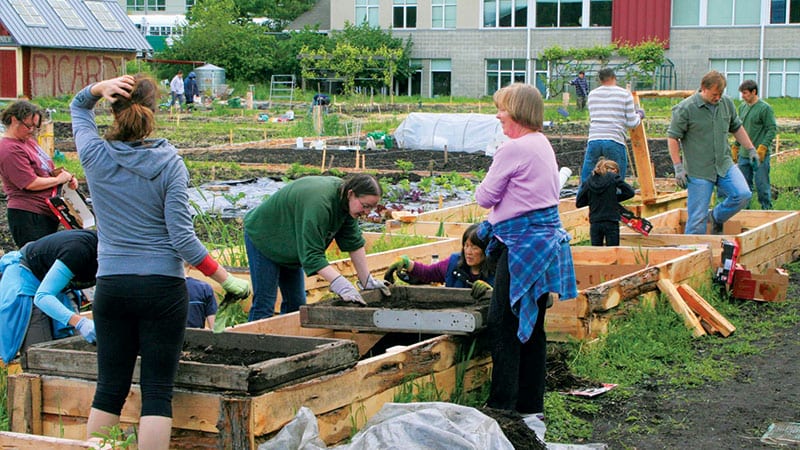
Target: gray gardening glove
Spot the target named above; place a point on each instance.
(373, 283)
(753, 155)
(680, 175)
(346, 290)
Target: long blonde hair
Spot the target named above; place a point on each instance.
(604, 166)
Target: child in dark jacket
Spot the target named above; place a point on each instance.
(602, 192)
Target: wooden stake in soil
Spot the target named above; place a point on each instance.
(445, 154)
(363, 162)
(324, 151)
(230, 136)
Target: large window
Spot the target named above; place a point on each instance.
(783, 78)
(440, 77)
(505, 13)
(443, 14)
(572, 13)
(405, 14)
(716, 12)
(784, 11)
(146, 5)
(502, 72)
(367, 11)
(736, 71)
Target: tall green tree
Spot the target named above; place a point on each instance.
(217, 34)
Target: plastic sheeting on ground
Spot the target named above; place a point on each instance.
(407, 426)
(470, 133)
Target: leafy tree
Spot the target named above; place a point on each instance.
(217, 34)
(361, 55)
(632, 62)
(280, 12)
(289, 45)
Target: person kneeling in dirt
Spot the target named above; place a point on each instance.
(289, 232)
(34, 302)
(468, 268)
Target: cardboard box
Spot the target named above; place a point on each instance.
(769, 287)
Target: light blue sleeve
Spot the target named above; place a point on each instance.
(54, 282)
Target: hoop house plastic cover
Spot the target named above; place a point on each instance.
(468, 133)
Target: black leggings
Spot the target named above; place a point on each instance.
(144, 315)
(518, 370)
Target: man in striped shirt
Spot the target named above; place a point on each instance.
(611, 113)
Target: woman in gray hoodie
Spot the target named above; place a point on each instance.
(139, 192)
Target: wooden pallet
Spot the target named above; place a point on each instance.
(767, 239)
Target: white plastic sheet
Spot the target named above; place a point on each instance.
(406, 426)
(470, 133)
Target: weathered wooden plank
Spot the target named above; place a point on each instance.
(25, 403)
(235, 423)
(289, 325)
(72, 397)
(20, 441)
(704, 309)
(679, 306)
(641, 158)
(371, 376)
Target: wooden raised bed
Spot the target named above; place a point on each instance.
(410, 309)
(231, 362)
(767, 239)
(610, 276)
(59, 406)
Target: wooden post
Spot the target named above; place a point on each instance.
(25, 403)
(46, 138)
(316, 114)
(357, 159)
(324, 151)
(641, 159)
(230, 136)
(363, 161)
(235, 424)
(445, 154)
(565, 99)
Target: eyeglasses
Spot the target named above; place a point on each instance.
(31, 125)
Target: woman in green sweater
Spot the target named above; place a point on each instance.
(286, 237)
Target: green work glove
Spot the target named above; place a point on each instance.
(752, 153)
(236, 286)
(680, 175)
(480, 288)
(401, 263)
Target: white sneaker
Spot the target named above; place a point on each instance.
(535, 422)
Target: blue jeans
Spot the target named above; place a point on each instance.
(267, 277)
(732, 186)
(609, 150)
(762, 182)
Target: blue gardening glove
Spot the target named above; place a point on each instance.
(480, 288)
(236, 286)
(640, 112)
(680, 175)
(372, 283)
(86, 328)
(346, 290)
(753, 155)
